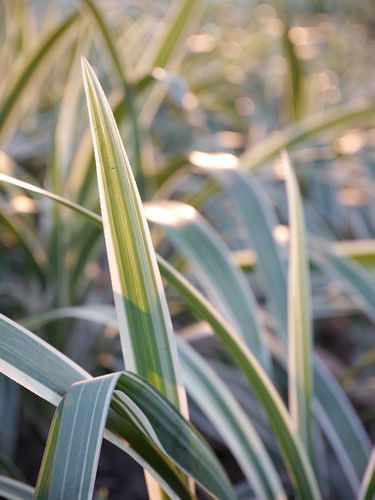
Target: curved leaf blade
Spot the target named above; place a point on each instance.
(299, 320)
(145, 325)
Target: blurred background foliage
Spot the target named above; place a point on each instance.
(193, 84)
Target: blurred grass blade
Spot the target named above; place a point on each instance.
(367, 491)
(293, 452)
(164, 51)
(258, 221)
(33, 251)
(299, 320)
(145, 326)
(305, 130)
(351, 275)
(100, 313)
(52, 196)
(15, 490)
(129, 101)
(222, 409)
(172, 31)
(39, 60)
(203, 248)
(66, 125)
(20, 354)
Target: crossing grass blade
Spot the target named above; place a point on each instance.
(293, 452)
(169, 438)
(203, 248)
(210, 394)
(336, 416)
(299, 320)
(12, 489)
(37, 61)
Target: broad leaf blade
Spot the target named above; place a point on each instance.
(20, 354)
(144, 322)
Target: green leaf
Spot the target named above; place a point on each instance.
(299, 320)
(15, 490)
(145, 326)
(203, 248)
(356, 279)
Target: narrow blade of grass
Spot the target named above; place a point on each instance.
(303, 131)
(299, 316)
(222, 409)
(258, 221)
(39, 60)
(15, 490)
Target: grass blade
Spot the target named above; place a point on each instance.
(38, 60)
(15, 490)
(258, 221)
(145, 325)
(129, 101)
(294, 454)
(20, 354)
(210, 394)
(197, 241)
(305, 130)
(299, 320)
